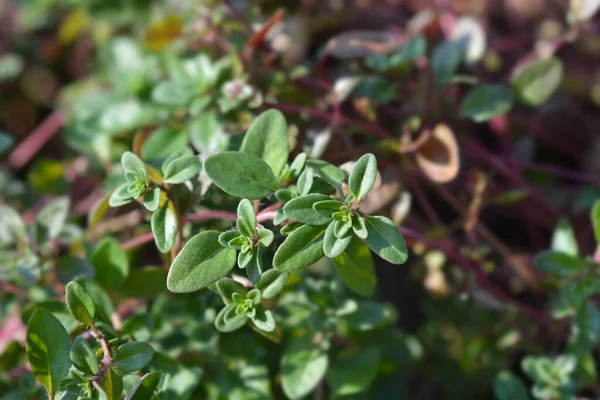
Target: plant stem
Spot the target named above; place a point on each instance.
(36, 140)
(106, 357)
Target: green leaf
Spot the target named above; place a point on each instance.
(112, 385)
(163, 142)
(563, 238)
(484, 102)
(226, 237)
(305, 181)
(595, 216)
(144, 389)
(537, 81)
(246, 221)
(330, 173)
(254, 268)
(152, 199)
(284, 195)
(120, 196)
(48, 177)
(123, 116)
(111, 263)
(445, 60)
(227, 287)
(271, 283)
(207, 134)
(132, 357)
(51, 219)
(202, 261)
(83, 358)
(386, 240)
(164, 227)
(57, 308)
(356, 269)
(145, 282)
(302, 368)
(333, 246)
(178, 380)
(182, 169)
(363, 176)
(104, 307)
(48, 347)
(245, 258)
(263, 319)
(267, 139)
(301, 209)
(297, 165)
(228, 321)
(80, 304)
(174, 93)
(13, 228)
(303, 247)
(97, 212)
(359, 227)
(558, 263)
(241, 175)
(369, 315)
(352, 372)
(266, 237)
(507, 386)
(132, 163)
(412, 50)
(69, 268)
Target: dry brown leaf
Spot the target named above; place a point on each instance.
(438, 158)
(259, 36)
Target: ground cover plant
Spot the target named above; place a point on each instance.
(336, 199)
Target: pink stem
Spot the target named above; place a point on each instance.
(217, 214)
(36, 140)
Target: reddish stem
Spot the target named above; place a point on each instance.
(36, 140)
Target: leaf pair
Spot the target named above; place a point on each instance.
(243, 305)
(305, 245)
(252, 172)
(137, 181)
(248, 240)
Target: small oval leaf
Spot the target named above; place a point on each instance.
(303, 247)
(241, 175)
(80, 304)
(267, 139)
(202, 261)
(363, 176)
(386, 240)
(164, 227)
(132, 357)
(48, 347)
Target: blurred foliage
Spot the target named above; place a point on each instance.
(482, 116)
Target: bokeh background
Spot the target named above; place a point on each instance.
(470, 292)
